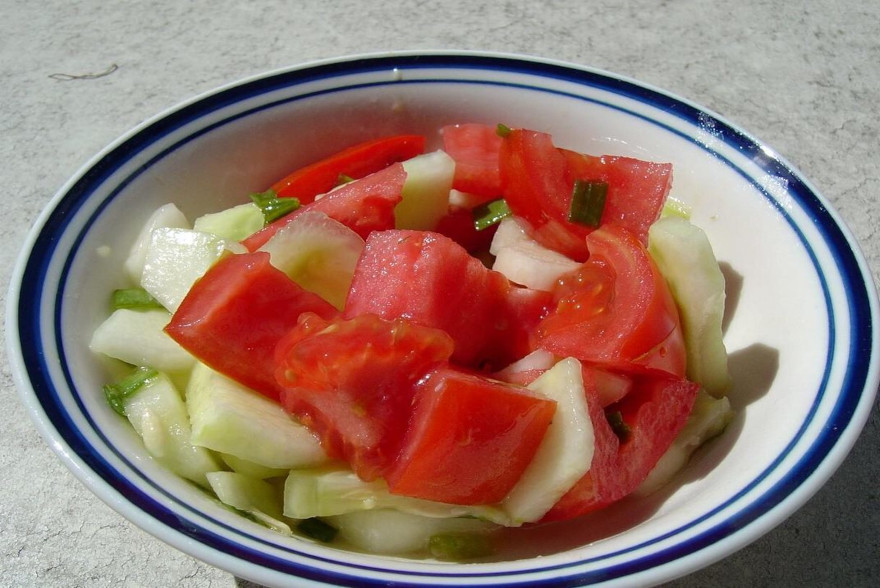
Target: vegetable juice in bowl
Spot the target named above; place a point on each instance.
(485, 342)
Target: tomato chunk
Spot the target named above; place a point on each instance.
(352, 383)
(236, 313)
(538, 180)
(475, 147)
(364, 206)
(470, 439)
(433, 281)
(654, 412)
(354, 162)
(616, 309)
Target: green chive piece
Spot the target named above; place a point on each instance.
(134, 298)
(502, 130)
(620, 428)
(343, 179)
(490, 213)
(459, 546)
(317, 529)
(272, 206)
(118, 392)
(587, 202)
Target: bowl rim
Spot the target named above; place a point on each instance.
(712, 547)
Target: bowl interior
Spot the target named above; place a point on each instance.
(796, 295)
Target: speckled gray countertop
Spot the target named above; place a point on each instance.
(802, 76)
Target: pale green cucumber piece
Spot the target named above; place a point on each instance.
(167, 216)
(523, 260)
(257, 498)
(234, 223)
(565, 453)
(158, 414)
(386, 531)
(251, 469)
(137, 337)
(176, 258)
(333, 490)
(425, 191)
(684, 256)
(318, 253)
(232, 419)
(708, 419)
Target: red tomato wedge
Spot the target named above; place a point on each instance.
(536, 186)
(354, 162)
(654, 412)
(475, 147)
(637, 189)
(364, 206)
(431, 280)
(352, 383)
(470, 439)
(236, 313)
(538, 180)
(616, 309)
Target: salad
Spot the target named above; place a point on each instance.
(402, 351)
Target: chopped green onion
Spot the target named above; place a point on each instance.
(490, 213)
(317, 529)
(118, 392)
(272, 206)
(459, 546)
(343, 179)
(587, 202)
(620, 428)
(134, 298)
(502, 130)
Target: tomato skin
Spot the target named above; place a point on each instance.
(637, 189)
(364, 206)
(655, 411)
(470, 439)
(355, 162)
(475, 147)
(433, 281)
(234, 315)
(352, 383)
(538, 179)
(615, 310)
(536, 184)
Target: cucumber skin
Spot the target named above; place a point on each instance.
(685, 258)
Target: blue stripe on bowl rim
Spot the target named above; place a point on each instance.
(859, 298)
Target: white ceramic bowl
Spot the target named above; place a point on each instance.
(801, 325)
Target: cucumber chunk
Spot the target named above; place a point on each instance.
(168, 216)
(251, 469)
(318, 253)
(333, 490)
(425, 191)
(176, 258)
(684, 256)
(255, 497)
(231, 419)
(233, 224)
(708, 419)
(395, 532)
(566, 451)
(523, 260)
(136, 337)
(158, 414)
